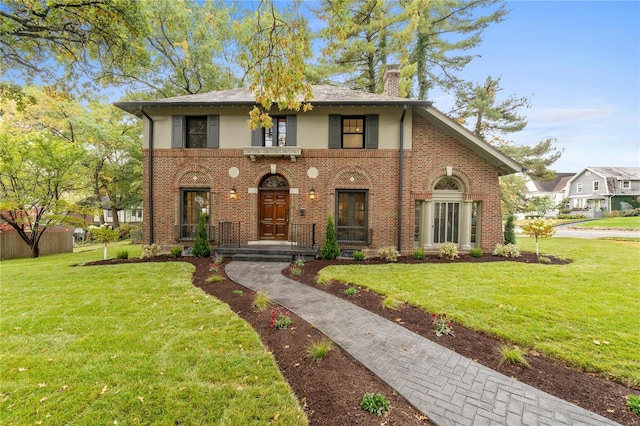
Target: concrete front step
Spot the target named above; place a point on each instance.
(257, 257)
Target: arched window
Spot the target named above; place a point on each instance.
(447, 184)
(274, 181)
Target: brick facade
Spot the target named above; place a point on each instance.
(374, 170)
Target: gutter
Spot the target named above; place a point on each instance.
(150, 190)
(401, 177)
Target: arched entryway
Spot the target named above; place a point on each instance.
(273, 220)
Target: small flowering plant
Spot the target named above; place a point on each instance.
(441, 325)
(280, 318)
(217, 258)
(214, 268)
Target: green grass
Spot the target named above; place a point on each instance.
(513, 355)
(559, 310)
(632, 222)
(318, 350)
(129, 344)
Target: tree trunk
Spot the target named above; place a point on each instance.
(114, 215)
(35, 250)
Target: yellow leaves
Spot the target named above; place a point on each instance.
(104, 390)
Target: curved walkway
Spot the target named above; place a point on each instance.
(447, 387)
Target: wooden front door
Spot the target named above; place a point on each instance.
(274, 215)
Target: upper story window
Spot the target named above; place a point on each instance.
(626, 184)
(596, 186)
(196, 136)
(353, 132)
(579, 187)
(282, 133)
(198, 131)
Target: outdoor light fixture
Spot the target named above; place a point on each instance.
(312, 194)
(233, 193)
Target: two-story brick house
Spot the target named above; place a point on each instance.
(391, 171)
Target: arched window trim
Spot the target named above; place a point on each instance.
(449, 184)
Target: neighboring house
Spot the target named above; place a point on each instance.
(391, 171)
(132, 216)
(599, 189)
(557, 189)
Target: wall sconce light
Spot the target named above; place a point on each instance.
(233, 193)
(312, 194)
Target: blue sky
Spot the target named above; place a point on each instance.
(579, 62)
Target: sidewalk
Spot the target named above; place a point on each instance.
(447, 387)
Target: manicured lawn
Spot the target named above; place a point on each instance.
(563, 311)
(613, 222)
(129, 344)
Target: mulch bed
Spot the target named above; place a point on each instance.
(330, 390)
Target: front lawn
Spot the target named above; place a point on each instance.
(129, 344)
(632, 222)
(585, 313)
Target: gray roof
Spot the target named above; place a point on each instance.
(625, 173)
(322, 95)
(555, 185)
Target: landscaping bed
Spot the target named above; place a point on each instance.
(331, 390)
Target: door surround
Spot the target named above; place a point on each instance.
(273, 208)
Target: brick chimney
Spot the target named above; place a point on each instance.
(391, 81)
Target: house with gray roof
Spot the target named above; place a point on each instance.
(595, 190)
(556, 189)
(390, 171)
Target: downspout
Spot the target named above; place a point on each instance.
(150, 183)
(401, 177)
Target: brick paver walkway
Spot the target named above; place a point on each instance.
(449, 388)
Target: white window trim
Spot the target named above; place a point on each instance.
(626, 184)
(579, 187)
(596, 185)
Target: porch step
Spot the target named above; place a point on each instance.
(257, 257)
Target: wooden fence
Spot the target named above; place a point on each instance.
(53, 241)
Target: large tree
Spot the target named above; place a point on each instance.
(82, 36)
(38, 172)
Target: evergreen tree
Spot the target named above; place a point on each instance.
(509, 231)
(330, 250)
(201, 247)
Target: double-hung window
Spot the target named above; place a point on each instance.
(197, 131)
(596, 186)
(626, 184)
(579, 187)
(353, 131)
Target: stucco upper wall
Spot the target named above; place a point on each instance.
(312, 126)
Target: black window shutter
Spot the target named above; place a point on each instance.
(371, 134)
(335, 131)
(213, 131)
(256, 136)
(292, 138)
(176, 131)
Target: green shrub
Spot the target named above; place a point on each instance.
(418, 253)
(124, 231)
(122, 254)
(217, 258)
(280, 318)
(330, 250)
(375, 404)
(351, 291)
(295, 271)
(506, 250)
(389, 254)
(237, 292)
(513, 355)
(633, 402)
(318, 350)
(509, 231)
(476, 252)
(448, 250)
(630, 213)
(151, 250)
(175, 252)
(135, 234)
(544, 259)
(358, 255)
(299, 261)
(571, 216)
(201, 247)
